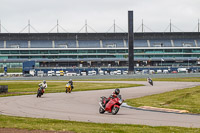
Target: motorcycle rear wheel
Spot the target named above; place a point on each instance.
(38, 94)
(101, 110)
(115, 110)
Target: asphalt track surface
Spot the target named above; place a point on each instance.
(83, 106)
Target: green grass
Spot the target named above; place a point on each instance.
(184, 99)
(85, 127)
(31, 87)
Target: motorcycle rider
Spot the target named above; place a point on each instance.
(149, 79)
(43, 86)
(71, 83)
(112, 96)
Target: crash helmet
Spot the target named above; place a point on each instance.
(117, 91)
(70, 80)
(44, 81)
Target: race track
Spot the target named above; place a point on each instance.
(83, 106)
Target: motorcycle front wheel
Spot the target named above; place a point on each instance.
(38, 94)
(101, 110)
(115, 110)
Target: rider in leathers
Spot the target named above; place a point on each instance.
(71, 83)
(113, 95)
(43, 86)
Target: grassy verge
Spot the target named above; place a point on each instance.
(185, 99)
(21, 88)
(84, 127)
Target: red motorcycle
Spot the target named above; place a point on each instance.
(112, 106)
(40, 92)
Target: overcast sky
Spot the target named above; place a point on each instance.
(100, 14)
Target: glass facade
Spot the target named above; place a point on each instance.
(99, 49)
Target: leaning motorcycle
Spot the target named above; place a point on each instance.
(112, 106)
(68, 88)
(40, 92)
(151, 82)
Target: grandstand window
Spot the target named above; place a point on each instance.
(5, 52)
(52, 57)
(154, 51)
(92, 51)
(111, 51)
(24, 57)
(119, 56)
(14, 52)
(196, 51)
(63, 56)
(72, 51)
(3, 57)
(157, 56)
(82, 56)
(187, 56)
(44, 52)
(36, 57)
(24, 52)
(101, 56)
(139, 56)
(53, 52)
(63, 51)
(34, 52)
(187, 51)
(177, 50)
(168, 51)
(82, 51)
(101, 51)
(110, 56)
(92, 56)
(13, 57)
(72, 56)
(138, 51)
(121, 51)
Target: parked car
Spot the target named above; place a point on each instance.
(125, 72)
(174, 72)
(61, 73)
(57, 73)
(40, 73)
(119, 72)
(83, 73)
(101, 72)
(91, 73)
(50, 73)
(165, 71)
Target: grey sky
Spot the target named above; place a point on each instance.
(100, 14)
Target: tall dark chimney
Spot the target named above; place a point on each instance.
(130, 43)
